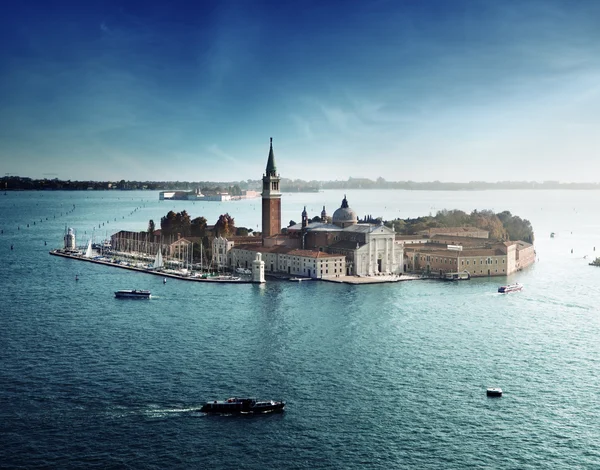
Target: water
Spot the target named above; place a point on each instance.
(378, 376)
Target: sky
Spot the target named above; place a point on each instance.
(405, 90)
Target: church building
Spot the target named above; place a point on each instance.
(320, 249)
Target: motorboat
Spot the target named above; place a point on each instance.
(460, 276)
(494, 392)
(516, 287)
(132, 294)
(242, 406)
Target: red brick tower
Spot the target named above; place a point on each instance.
(271, 199)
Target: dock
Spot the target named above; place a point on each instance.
(172, 275)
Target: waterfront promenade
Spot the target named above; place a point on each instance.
(185, 275)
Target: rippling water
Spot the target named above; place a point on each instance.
(382, 376)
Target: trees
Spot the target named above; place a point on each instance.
(151, 227)
(167, 223)
(176, 223)
(225, 226)
(198, 227)
(487, 220)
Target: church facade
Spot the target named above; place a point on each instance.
(322, 249)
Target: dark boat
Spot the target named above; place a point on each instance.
(132, 294)
(242, 406)
(516, 287)
(494, 392)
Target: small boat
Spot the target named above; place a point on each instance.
(299, 279)
(516, 287)
(494, 392)
(132, 294)
(462, 276)
(242, 406)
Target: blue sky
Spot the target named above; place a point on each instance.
(406, 90)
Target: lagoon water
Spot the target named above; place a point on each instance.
(379, 376)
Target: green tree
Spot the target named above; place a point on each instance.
(151, 227)
(198, 227)
(168, 223)
(487, 220)
(183, 224)
(225, 226)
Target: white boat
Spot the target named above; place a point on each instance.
(516, 287)
(89, 253)
(132, 294)
(158, 261)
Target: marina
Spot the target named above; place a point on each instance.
(164, 273)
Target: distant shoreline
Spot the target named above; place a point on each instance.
(235, 188)
(568, 187)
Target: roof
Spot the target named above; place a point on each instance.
(313, 254)
(344, 213)
(367, 228)
(287, 251)
(457, 240)
(443, 230)
(345, 245)
(466, 252)
(482, 252)
(271, 168)
(316, 226)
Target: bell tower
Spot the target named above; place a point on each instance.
(271, 199)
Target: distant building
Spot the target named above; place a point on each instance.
(195, 195)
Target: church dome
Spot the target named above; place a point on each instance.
(344, 216)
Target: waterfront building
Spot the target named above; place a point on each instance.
(291, 261)
(486, 258)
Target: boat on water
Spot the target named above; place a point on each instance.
(510, 288)
(494, 392)
(242, 406)
(299, 279)
(132, 294)
(461, 276)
